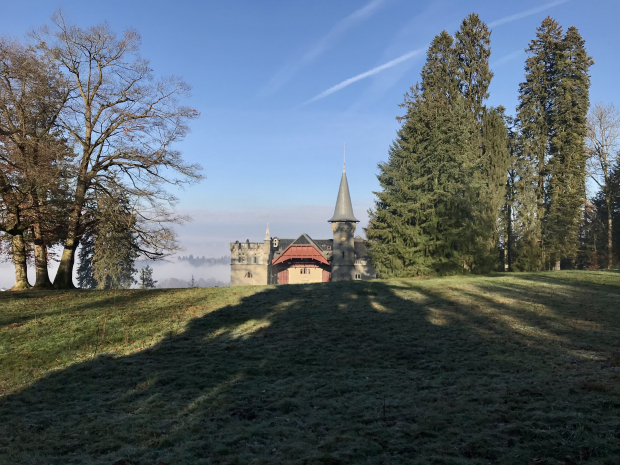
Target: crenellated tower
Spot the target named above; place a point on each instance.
(343, 227)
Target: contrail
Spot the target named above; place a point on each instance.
(406, 56)
(533, 11)
(286, 73)
(359, 77)
(507, 58)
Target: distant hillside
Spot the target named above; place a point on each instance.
(204, 261)
(171, 283)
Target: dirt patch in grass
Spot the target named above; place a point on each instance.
(490, 370)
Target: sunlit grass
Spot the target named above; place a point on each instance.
(521, 368)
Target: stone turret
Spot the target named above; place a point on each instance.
(343, 226)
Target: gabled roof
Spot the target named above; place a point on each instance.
(302, 248)
(344, 208)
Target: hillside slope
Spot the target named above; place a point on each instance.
(520, 368)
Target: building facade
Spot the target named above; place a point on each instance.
(305, 260)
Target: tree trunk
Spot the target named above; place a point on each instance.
(610, 256)
(40, 260)
(509, 237)
(19, 259)
(64, 275)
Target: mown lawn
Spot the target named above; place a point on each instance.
(506, 369)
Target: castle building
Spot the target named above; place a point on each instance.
(305, 260)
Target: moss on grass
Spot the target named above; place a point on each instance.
(521, 368)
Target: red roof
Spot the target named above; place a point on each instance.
(301, 251)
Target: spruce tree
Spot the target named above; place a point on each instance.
(536, 114)
(489, 191)
(116, 243)
(418, 224)
(568, 161)
(552, 115)
(440, 72)
(473, 51)
(443, 184)
(85, 274)
(146, 278)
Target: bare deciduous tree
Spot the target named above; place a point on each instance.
(602, 141)
(123, 123)
(32, 156)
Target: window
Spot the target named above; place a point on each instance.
(254, 258)
(248, 275)
(358, 276)
(343, 254)
(275, 242)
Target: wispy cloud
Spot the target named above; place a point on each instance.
(364, 75)
(507, 58)
(533, 11)
(406, 56)
(288, 72)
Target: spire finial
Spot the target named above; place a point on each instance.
(344, 157)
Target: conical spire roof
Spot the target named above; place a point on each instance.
(344, 208)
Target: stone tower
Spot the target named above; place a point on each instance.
(250, 262)
(343, 226)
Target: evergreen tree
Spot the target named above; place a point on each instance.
(440, 72)
(490, 191)
(536, 113)
(115, 248)
(473, 51)
(443, 184)
(85, 273)
(146, 278)
(418, 224)
(552, 116)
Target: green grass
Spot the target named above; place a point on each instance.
(505, 369)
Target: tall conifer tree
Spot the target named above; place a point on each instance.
(417, 226)
(568, 161)
(552, 115)
(473, 51)
(536, 114)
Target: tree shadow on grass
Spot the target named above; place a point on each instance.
(376, 372)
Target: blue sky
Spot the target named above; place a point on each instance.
(282, 85)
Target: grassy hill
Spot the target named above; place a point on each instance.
(506, 369)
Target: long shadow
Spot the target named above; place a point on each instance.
(378, 372)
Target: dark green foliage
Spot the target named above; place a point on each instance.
(490, 191)
(418, 225)
(552, 115)
(443, 185)
(116, 247)
(473, 50)
(440, 73)
(85, 274)
(535, 112)
(568, 163)
(593, 244)
(146, 278)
